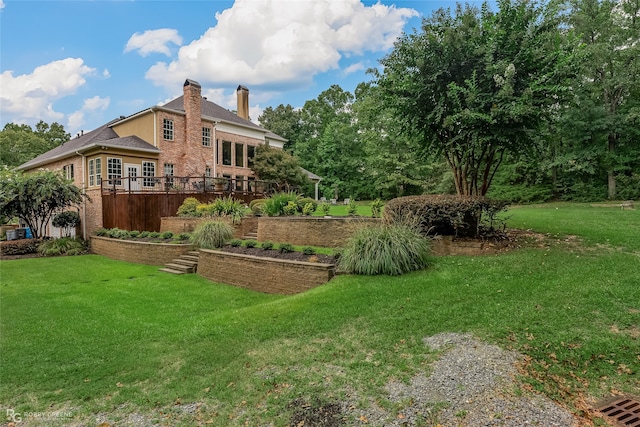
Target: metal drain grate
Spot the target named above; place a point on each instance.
(625, 411)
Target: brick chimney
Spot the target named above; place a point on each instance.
(243, 102)
(193, 120)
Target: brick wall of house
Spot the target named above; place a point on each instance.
(313, 231)
(93, 212)
(263, 274)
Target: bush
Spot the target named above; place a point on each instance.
(291, 208)
(223, 207)
(102, 232)
(236, 243)
(134, 233)
(20, 247)
(325, 207)
(285, 248)
(267, 245)
(63, 246)
(352, 208)
(166, 235)
(189, 207)
(442, 214)
(257, 206)
(154, 234)
(302, 203)
(183, 236)
(376, 208)
(250, 243)
(144, 234)
(212, 234)
(391, 249)
(116, 233)
(308, 209)
(308, 250)
(275, 205)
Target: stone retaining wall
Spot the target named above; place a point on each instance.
(263, 274)
(313, 231)
(138, 252)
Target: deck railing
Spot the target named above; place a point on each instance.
(188, 184)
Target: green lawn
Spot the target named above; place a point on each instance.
(89, 335)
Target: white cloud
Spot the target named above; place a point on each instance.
(274, 42)
(2, 5)
(353, 68)
(76, 119)
(30, 97)
(153, 41)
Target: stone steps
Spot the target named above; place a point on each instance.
(186, 264)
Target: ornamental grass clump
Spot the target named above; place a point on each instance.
(212, 234)
(63, 246)
(390, 249)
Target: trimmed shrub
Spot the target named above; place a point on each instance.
(212, 234)
(442, 214)
(308, 209)
(285, 248)
(102, 232)
(63, 246)
(308, 250)
(134, 233)
(291, 208)
(144, 234)
(391, 249)
(154, 234)
(20, 247)
(166, 235)
(189, 207)
(267, 245)
(302, 203)
(182, 236)
(236, 243)
(250, 243)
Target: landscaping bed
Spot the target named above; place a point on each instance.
(274, 253)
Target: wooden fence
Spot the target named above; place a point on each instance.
(129, 207)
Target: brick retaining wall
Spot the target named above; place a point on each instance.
(263, 274)
(178, 225)
(314, 231)
(138, 252)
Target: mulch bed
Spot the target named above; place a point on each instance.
(274, 253)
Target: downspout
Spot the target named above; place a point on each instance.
(84, 202)
(215, 150)
(155, 128)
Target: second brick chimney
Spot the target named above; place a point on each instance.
(243, 102)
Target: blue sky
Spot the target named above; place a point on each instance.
(84, 63)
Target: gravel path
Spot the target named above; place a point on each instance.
(472, 384)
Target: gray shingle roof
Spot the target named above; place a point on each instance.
(102, 136)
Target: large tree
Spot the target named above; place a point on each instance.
(20, 143)
(36, 196)
(475, 85)
(284, 121)
(603, 126)
(273, 164)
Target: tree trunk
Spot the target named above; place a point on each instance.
(611, 177)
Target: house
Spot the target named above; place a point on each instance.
(183, 142)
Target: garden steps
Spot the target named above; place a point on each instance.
(251, 234)
(186, 264)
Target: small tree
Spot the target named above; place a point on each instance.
(36, 197)
(67, 221)
(272, 164)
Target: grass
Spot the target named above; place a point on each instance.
(91, 335)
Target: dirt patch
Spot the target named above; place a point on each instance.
(315, 414)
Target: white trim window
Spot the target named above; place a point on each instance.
(114, 170)
(168, 173)
(167, 129)
(206, 137)
(92, 173)
(68, 171)
(148, 172)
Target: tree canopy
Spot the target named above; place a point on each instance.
(35, 197)
(21, 143)
(272, 164)
(476, 84)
